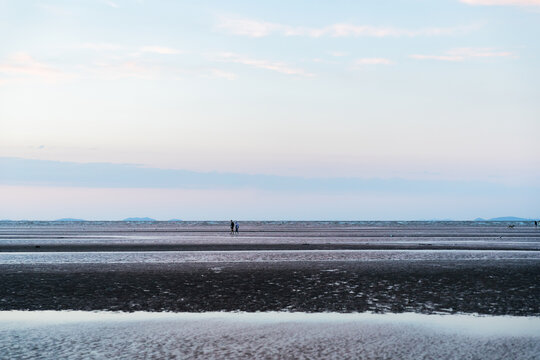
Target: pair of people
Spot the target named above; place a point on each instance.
(234, 226)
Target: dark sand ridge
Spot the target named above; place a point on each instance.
(510, 287)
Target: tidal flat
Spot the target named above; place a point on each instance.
(423, 267)
(447, 272)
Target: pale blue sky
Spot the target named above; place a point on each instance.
(401, 94)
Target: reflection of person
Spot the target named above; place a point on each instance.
(232, 227)
(237, 226)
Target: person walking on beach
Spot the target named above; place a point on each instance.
(237, 226)
(232, 227)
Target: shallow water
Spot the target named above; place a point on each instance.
(208, 236)
(140, 335)
(172, 257)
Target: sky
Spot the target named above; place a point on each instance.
(270, 110)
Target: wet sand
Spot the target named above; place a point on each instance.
(503, 288)
(498, 280)
(197, 236)
(68, 335)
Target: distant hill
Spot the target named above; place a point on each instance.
(509, 218)
(139, 219)
(175, 220)
(504, 218)
(69, 219)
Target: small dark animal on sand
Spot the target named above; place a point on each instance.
(511, 226)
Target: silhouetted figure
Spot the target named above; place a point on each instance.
(535, 224)
(237, 226)
(232, 227)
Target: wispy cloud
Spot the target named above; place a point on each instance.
(462, 54)
(257, 28)
(156, 49)
(372, 61)
(101, 46)
(218, 73)
(279, 67)
(502, 2)
(131, 51)
(437, 57)
(160, 50)
(55, 10)
(338, 53)
(122, 69)
(121, 61)
(110, 3)
(22, 64)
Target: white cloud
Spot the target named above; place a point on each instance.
(154, 49)
(22, 64)
(100, 46)
(218, 73)
(480, 52)
(256, 28)
(437, 57)
(110, 3)
(503, 2)
(248, 27)
(462, 54)
(262, 64)
(124, 69)
(373, 61)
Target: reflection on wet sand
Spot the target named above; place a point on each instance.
(266, 335)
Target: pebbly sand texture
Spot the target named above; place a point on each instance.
(309, 267)
(68, 335)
